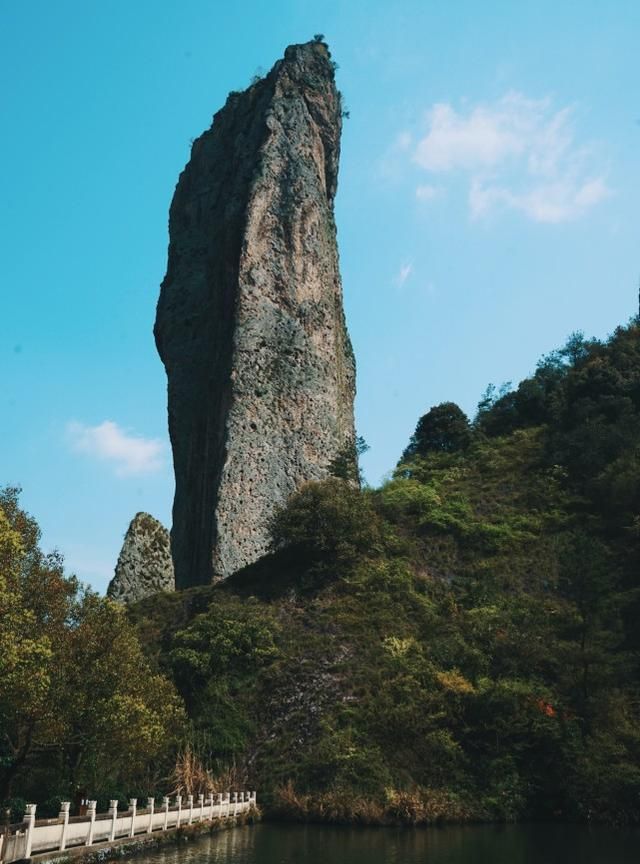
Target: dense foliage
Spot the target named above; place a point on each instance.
(79, 705)
(458, 644)
(443, 429)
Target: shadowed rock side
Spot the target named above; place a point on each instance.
(144, 565)
(250, 325)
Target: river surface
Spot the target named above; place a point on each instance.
(475, 844)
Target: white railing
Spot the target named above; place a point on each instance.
(31, 837)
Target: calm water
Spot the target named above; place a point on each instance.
(285, 844)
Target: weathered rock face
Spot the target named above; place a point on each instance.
(144, 566)
(250, 325)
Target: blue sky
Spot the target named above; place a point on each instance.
(487, 207)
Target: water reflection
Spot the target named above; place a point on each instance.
(482, 844)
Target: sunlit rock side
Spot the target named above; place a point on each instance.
(250, 324)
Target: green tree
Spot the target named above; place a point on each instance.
(346, 465)
(37, 603)
(443, 429)
(121, 717)
(77, 697)
(329, 525)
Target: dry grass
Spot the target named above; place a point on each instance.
(191, 777)
(416, 807)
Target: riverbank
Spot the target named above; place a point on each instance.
(128, 847)
(402, 809)
(398, 808)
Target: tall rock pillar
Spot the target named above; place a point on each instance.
(250, 324)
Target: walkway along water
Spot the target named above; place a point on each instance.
(30, 837)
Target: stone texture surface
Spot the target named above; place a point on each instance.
(250, 324)
(144, 565)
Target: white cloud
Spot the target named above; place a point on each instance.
(403, 141)
(554, 202)
(130, 454)
(518, 154)
(484, 138)
(403, 274)
(425, 192)
(592, 192)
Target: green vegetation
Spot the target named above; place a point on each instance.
(458, 644)
(443, 429)
(346, 464)
(79, 706)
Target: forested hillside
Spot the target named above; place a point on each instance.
(461, 643)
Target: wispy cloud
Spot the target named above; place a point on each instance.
(403, 141)
(480, 140)
(128, 453)
(403, 274)
(518, 154)
(427, 192)
(554, 202)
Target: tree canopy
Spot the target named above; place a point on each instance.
(79, 704)
(443, 429)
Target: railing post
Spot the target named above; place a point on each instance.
(4, 834)
(210, 804)
(63, 816)
(151, 804)
(190, 803)
(179, 804)
(113, 810)
(165, 804)
(219, 804)
(30, 821)
(91, 813)
(201, 805)
(133, 807)
(235, 802)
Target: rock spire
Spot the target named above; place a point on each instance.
(250, 324)
(144, 565)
